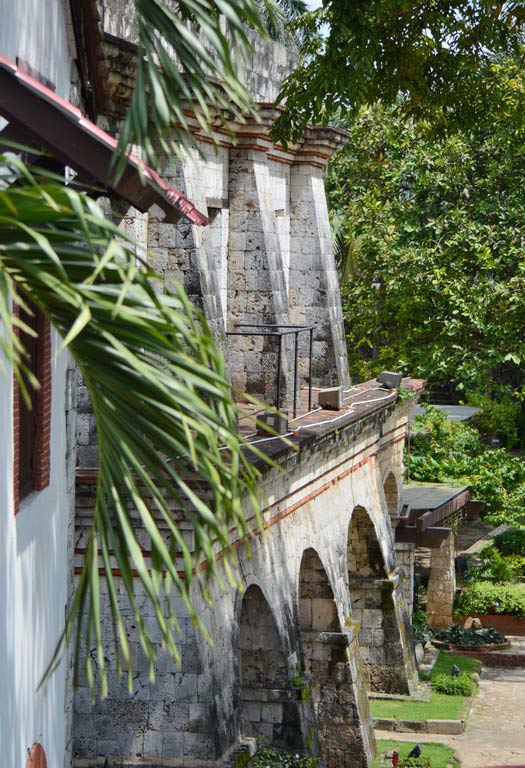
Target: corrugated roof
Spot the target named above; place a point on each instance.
(54, 124)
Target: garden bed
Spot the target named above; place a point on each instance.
(421, 716)
(503, 622)
(439, 755)
(484, 648)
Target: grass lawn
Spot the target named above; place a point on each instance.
(440, 707)
(444, 664)
(439, 755)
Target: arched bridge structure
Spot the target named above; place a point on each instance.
(318, 622)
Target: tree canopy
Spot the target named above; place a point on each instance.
(433, 236)
(357, 52)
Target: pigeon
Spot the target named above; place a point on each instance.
(455, 670)
(416, 751)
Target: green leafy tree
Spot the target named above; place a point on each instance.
(357, 52)
(432, 244)
(445, 451)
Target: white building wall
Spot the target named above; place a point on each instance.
(34, 544)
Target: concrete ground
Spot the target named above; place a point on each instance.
(495, 733)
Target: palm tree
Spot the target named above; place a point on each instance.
(166, 419)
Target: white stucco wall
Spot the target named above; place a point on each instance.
(36, 31)
(33, 592)
(33, 545)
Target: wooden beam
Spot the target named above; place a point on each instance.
(430, 538)
(437, 515)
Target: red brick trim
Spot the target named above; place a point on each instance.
(42, 445)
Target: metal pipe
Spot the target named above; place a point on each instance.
(279, 361)
(272, 325)
(295, 377)
(310, 370)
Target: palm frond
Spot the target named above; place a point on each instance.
(346, 253)
(189, 72)
(166, 420)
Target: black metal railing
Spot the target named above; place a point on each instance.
(278, 331)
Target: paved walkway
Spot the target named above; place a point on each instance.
(495, 734)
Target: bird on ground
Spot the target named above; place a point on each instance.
(455, 670)
(416, 751)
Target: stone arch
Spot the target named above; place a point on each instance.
(268, 701)
(330, 665)
(383, 638)
(391, 494)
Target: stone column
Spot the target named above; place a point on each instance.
(442, 584)
(314, 285)
(339, 698)
(257, 291)
(405, 557)
(384, 639)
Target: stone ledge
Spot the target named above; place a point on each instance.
(273, 695)
(450, 727)
(422, 692)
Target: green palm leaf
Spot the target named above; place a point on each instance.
(166, 420)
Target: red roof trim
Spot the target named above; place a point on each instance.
(87, 147)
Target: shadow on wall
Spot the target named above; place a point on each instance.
(268, 699)
(373, 606)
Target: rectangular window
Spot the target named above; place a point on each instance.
(32, 422)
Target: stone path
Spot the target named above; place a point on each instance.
(495, 734)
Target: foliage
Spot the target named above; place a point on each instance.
(497, 567)
(433, 233)
(358, 52)
(415, 762)
(458, 635)
(421, 632)
(511, 542)
(497, 418)
(172, 92)
(484, 597)
(461, 685)
(452, 452)
(445, 662)
(440, 707)
(439, 755)
(166, 421)
(268, 756)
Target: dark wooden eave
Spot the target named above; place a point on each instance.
(51, 123)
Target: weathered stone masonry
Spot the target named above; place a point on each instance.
(321, 616)
(306, 619)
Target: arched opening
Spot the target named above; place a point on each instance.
(330, 665)
(375, 605)
(268, 701)
(391, 495)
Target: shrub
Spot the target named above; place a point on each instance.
(415, 762)
(451, 452)
(268, 756)
(421, 632)
(461, 685)
(485, 597)
(497, 568)
(511, 542)
(458, 635)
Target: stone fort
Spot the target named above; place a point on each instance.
(322, 617)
